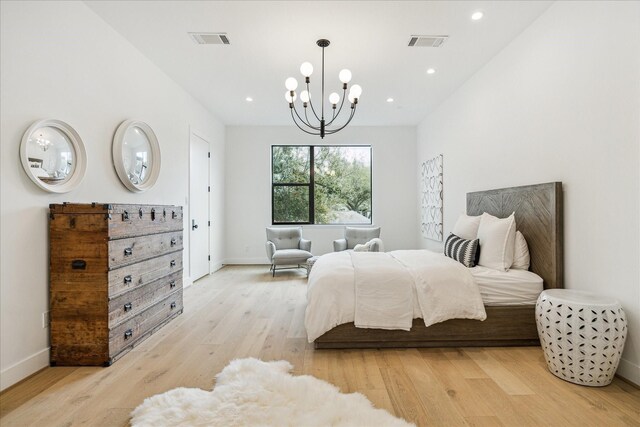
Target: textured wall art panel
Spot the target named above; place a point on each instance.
(431, 188)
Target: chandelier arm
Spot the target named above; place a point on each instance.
(344, 93)
(353, 112)
(306, 123)
(300, 127)
(311, 104)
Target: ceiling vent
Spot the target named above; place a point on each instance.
(427, 41)
(210, 38)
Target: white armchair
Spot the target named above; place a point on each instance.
(359, 236)
(285, 246)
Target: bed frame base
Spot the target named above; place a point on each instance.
(504, 326)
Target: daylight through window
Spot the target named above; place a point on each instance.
(321, 184)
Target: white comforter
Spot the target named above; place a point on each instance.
(440, 289)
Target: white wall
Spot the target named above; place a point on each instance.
(560, 103)
(248, 187)
(60, 60)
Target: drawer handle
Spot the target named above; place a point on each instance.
(128, 252)
(164, 213)
(128, 334)
(79, 264)
(125, 215)
(140, 213)
(172, 284)
(173, 241)
(127, 280)
(173, 305)
(172, 263)
(174, 215)
(128, 306)
(153, 214)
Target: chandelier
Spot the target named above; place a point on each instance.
(319, 125)
(42, 142)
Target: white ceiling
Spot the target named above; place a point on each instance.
(270, 39)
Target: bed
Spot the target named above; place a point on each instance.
(509, 321)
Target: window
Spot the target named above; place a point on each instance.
(321, 184)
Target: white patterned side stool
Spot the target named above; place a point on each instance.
(310, 263)
(582, 335)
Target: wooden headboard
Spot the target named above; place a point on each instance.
(539, 213)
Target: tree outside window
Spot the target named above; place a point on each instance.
(321, 184)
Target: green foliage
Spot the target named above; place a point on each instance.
(291, 204)
(291, 164)
(342, 178)
(343, 182)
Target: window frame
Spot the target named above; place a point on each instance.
(311, 183)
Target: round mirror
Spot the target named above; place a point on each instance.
(136, 155)
(53, 155)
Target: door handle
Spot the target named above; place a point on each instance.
(193, 224)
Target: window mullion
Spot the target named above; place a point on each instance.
(312, 208)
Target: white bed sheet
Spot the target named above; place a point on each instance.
(441, 289)
(513, 287)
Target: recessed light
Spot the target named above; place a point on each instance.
(477, 15)
(431, 70)
(389, 99)
(248, 99)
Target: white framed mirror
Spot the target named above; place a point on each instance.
(53, 155)
(136, 155)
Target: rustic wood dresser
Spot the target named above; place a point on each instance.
(115, 278)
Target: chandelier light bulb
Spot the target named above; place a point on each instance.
(345, 76)
(287, 96)
(304, 96)
(291, 83)
(334, 98)
(306, 69)
(351, 98)
(356, 90)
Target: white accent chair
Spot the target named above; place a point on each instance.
(285, 246)
(359, 236)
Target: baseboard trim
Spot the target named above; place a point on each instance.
(24, 368)
(629, 371)
(216, 266)
(186, 282)
(242, 261)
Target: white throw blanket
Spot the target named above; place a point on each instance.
(442, 289)
(384, 292)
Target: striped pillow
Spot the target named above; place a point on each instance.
(464, 251)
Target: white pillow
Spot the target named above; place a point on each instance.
(497, 241)
(467, 227)
(362, 248)
(521, 258)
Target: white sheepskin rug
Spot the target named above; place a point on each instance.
(250, 392)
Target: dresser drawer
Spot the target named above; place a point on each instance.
(128, 251)
(134, 220)
(128, 333)
(129, 304)
(133, 276)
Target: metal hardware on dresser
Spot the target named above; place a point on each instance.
(127, 260)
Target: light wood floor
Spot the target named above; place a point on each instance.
(241, 312)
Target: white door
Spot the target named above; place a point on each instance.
(199, 207)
